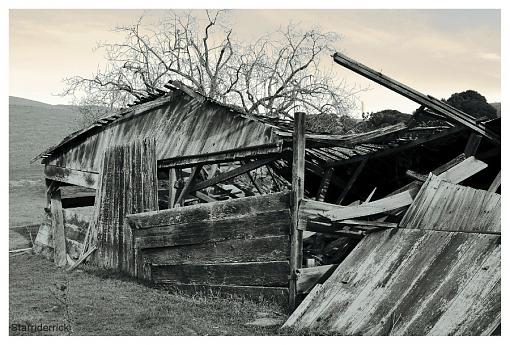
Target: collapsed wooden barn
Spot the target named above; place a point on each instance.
(157, 205)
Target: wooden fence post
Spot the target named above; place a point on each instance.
(57, 225)
(298, 175)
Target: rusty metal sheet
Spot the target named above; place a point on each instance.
(410, 282)
(441, 205)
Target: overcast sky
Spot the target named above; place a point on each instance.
(437, 52)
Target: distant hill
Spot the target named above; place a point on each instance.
(33, 127)
(497, 105)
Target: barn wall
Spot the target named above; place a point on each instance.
(238, 246)
(182, 127)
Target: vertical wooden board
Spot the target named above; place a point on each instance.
(128, 185)
(298, 191)
(57, 225)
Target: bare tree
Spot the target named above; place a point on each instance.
(271, 76)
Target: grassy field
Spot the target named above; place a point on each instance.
(33, 127)
(97, 302)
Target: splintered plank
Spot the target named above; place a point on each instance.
(72, 176)
(459, 172)
(273, 274)
(336, 213)
(250, 226)
(272, 248)
(211, 211)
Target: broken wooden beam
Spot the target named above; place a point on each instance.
(186, 190)
(232, 173)
(438, 106)
(72, 176)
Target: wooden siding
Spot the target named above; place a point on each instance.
(128, 185)
(182, 127)
(441, 205)
(410, 282)
(235, 245)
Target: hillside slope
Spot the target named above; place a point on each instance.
(33, 127)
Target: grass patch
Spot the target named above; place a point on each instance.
(98, 302)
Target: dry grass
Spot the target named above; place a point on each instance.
(97, 302)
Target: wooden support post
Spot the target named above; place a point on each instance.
(186, 189)
(255, 183)
(495, 184)
(353, 179)
(298, 177)
(472, 144)
(57, 226)
(171, 187)
(277, 185)
(323, 187)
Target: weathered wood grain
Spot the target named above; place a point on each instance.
(128, 185)
(272, 248)
(445, 206)
(211, 211)
(410, 282)
(297, 195)
(72, 176)
(272, 274)
(57, 226)
(250, 226)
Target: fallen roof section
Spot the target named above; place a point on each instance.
(439, 281)
(430, 102)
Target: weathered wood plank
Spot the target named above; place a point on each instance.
(438, 106)
(251, 226)
(298, 193)
(171, 187)
(307, 278)
(495, 184)
(211, 211)
(312, 208)
(72, 176)
(57, 225)
(274, 274)
(459, 172)
(271, 248)
(410, 282)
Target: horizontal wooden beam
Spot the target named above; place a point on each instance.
(232, 173)
(75, 177)
(223, 156)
